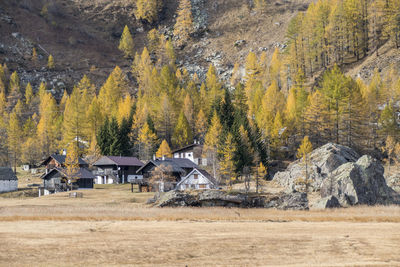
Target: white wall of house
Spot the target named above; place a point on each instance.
(190, 156)
(195, 181)
(8, 185)
(104, 180)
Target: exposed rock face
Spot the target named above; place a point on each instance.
(360, 182)
(216, 198)
(394, 182)
(322, 162)
(327, 203)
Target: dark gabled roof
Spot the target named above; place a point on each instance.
(120, 161)
(61, 159)
(185, 148)
(183, 163)
(7, 173)
(82, 173)
(178, 165)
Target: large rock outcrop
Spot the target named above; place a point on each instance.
(218, 198)
(326, 203)
(322, 162)
(360, 182)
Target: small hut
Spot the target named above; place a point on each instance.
(8, 180)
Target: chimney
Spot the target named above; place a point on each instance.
(154, 156)
(195, 141)
(64, 152)
(163, 157)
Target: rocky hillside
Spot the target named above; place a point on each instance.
(83, 35)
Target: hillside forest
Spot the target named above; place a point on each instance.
(261, 115)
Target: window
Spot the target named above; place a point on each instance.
(202, 186)
(193, 186)
(196, 176)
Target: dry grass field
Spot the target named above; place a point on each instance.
(112, 226)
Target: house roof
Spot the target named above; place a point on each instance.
(186, 148)
(204, 173)
(82, 173)
(120, 161)
(7, 173)
(61, 159)
(178, 165)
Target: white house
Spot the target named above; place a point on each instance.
(8, 180)
(197, 179)
(193, 152)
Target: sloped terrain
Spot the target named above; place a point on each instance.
(83, 36)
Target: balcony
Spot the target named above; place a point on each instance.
(106, 172)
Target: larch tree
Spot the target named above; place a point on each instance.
(153, 41)
(34, 57)
(201, 126)
(389, 148)
(75, 123)
(164, 150)
(214, 87)
(227, 164)
(302, 152)
(50, 62)
(147, 10)
(184, 22)
(146, 139)
(49, 125)
(28, 95)
(212, 143)
(261, 172)
(85, 84)
(165, 118)
(125, 108)
(72, 164)
(126, 44)
(188, 109)
(336, 89)
(14, 91)
(182, 133)
(14, 134)
(388, 122)
(115, 87)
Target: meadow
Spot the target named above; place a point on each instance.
(112, 226)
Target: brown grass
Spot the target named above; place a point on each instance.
(198, 243)
(112, 226)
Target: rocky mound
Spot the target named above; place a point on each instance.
(322, 162)
(217, 198)
(360, 182)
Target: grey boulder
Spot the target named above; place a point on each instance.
(360, 182)
(326, 203)
(322, 161)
